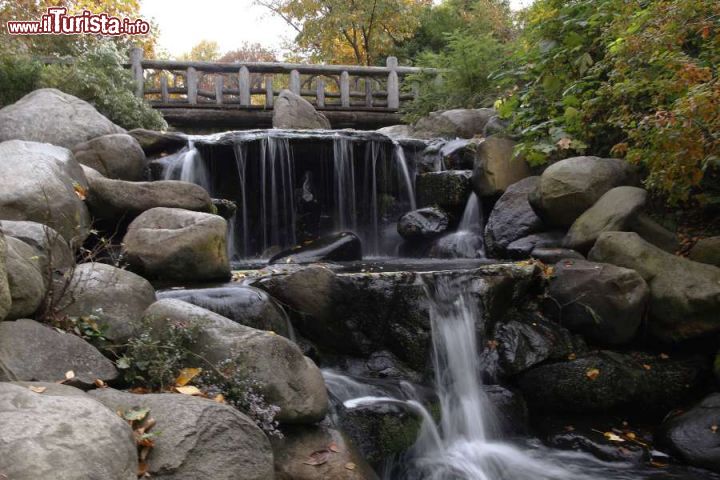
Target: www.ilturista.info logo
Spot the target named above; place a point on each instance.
(58, 22)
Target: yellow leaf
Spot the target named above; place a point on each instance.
(613, 438)
(37, 389)
(80, 191)
(646, 366)
(350, 466)
(189, 390)
(572, 357)
(100, 384)
(186, 374)
(219, 398)
(592, 373)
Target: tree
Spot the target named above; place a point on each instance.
(362, 32)
(250, 52)
(204, 50)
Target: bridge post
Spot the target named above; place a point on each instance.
(393, 84)
(191, 79)
(164, 96)
(345, 89)
(269, 94)
(136, 57)
(368, 92)
(295, 82)
(244, 83)
(320, 95)
(219, 83)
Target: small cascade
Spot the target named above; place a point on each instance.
(408, 179)
(467, 241)
(187, 165)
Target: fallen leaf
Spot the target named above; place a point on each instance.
(664, 356)
(100, 384)
(564, 143)
(186, 374)
(613, 437)
(647, 367)
(333, 447)
(189, 390)
(69, 375)
(80, 191)
(37, 389)
(569, 428)
(350, 466)
(317, 458)
(142, 469)
(592, 373)
(135, 414)
(572, 357)
(714, 428)
(219, 398)
(631, 435)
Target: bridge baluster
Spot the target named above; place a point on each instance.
(320, 93)
(393, 84)
(244, 83)
(345, 89)
(295, 82)
(136, 57)
(219, 81)
(164, 96)
(191, 79)
(269, 91)
(368, 92)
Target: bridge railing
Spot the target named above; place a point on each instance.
(254, 85)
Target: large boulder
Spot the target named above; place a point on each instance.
(706, 250)
(602, 302)
(396, 131)
(286, 378)
(497, 167)
(198, 438)
(684, 295)
(523, 247)
(156, 143)
(693, 435)
(457, 123)
(31, 351)
(5, 298)
(116, 200)
(55, 435)
(294, 112)
(116, 297)
(48, 115)
(655, 233)
(613, 212)
(571, 186)
(512, 218)
(338, 247)
(46, 241)
(449, 189)
(26, 278)
(423, 224)
(115, 156)
(45, 184)
(175, 244)
(247, 306)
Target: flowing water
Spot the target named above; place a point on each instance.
(467, 241)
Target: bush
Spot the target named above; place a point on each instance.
(18, 75)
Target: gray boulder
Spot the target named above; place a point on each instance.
(31, 351)
(198, 438)
(175, 244)
(117, 200)
(247, 306)
(655, 233)
(337, 247)
(5, 298)
(497, 167)
(457, 123)
(684, 295)
(550, 256)
(396, 131)
(26, 277)
(294, 112)
(449, 189)
(602, 302)
(512, 218)
(522, 248)
(48, 115)
(43, 183)
(46, 241)
(156, 143)
(62, 436)
(706, 250)
(117, 297)
(423, 224)
(286, 378)
(458, 154)
(613, 212)
(571, 186)
(115, 156)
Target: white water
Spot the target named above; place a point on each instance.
(467, 241)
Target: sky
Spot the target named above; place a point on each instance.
(183, 23)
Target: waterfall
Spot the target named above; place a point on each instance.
(408, 182)
(472, 215)
(187, 165)
(467, 241)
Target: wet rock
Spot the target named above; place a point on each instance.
(613, 212)
(46, 241)
(294, 112)
(38, 182)
(338, 247)
(293, 460)
(462, 244)
(156, 143)
(602, 302)
(199, 438)
(706, 250)
(58, 436)
(224, 208)
(116, 297)
(117, 156)
(606, 381)
(115, 201)
(396, 131)
(512, 218)
(692, 435)
(459, 154)
(571, 186)
(522, 248)
(497, 167)
(448, 189)
(5, 298)
(247, 306)
(286, 378)
(422, 224)
(48, 115)
(510, 410)
(26, 278)
(684, 295)
(31, 351)
(551, 256)
(175, 244)
(457, 123)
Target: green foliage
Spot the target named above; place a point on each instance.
(18, 75)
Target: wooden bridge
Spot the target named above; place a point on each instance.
(197, 96)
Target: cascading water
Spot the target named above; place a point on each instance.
(467, 241)
(187, 165)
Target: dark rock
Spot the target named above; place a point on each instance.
(199, 438)
(684, 295)
(339, 247)
(512, 218)
(495, 126)
(425, 223)
(706, 250)
(247, 306)
(224, 208)
(31, 351)
(550, 256)
(116, 156)
(509, 408)
(522, 248)
(448, 189)
(602, 302)
(459, 154)
(462, 244)
(693, 437)
(497, 167)
(571, 186)
(156, 143)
